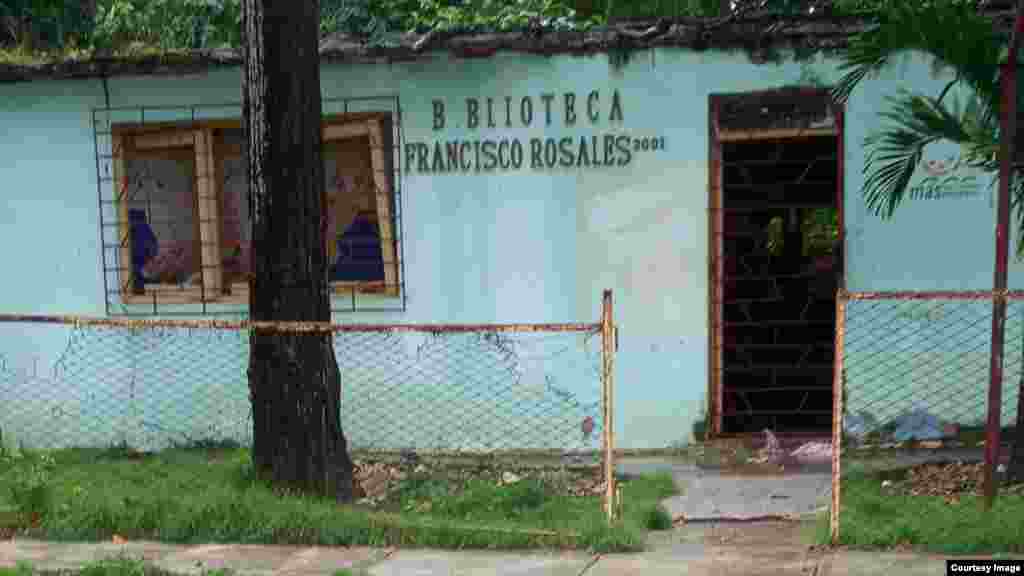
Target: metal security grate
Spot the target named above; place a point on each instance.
(161, 139)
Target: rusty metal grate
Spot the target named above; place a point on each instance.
(208, 298)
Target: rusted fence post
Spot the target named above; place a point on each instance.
(1008, 86)
(838, 390)
(607, 377)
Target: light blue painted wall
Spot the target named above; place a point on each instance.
(49, 232)
(517, 247)
(930, 356)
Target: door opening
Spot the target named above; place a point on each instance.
(776, 262)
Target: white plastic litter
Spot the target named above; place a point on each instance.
(813, 451)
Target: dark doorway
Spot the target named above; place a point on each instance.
(778, 264)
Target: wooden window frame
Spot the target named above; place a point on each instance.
(209, 152)
(170, 143)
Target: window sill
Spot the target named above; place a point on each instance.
(164, 294)
(240, 292)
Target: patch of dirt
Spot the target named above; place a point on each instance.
(377, 481)
(12, 524)
(762, 456)
(752, 469)
(763, 534)
(726, 453)
(948, 480)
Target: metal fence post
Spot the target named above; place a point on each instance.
(607, 372)
(838, 390)
(1008, 87)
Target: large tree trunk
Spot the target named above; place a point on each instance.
(88, 8)
(294, 383)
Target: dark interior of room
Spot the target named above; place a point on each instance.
(781, 268)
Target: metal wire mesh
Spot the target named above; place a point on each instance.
(152, 385)
(914, 376)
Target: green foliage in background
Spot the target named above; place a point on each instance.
(41, 23)
(165, 25)
(168, 24)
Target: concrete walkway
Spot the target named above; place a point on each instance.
(709, 495)
(678, 558)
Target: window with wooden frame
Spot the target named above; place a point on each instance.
(183, 210)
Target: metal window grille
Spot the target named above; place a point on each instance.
(122, 299)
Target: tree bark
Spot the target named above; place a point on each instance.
(294, 382)
(88, 12)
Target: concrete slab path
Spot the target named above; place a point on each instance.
(748, 550)
(431, 562)
(709, 495)
(713, 496)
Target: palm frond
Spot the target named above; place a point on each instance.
(893, 153)
(981, 123)
(1017, 207)
(954, 33)
(857, 66)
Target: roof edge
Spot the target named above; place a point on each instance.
(760, 36)
(752, 34)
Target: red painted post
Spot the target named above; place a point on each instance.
(1008, 87)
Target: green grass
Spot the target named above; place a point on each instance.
(192, 496)
(641, 497)
(19, 56)
(870, 518)
(534, 502)
(21, 569)
(123, 566)
(113, 566)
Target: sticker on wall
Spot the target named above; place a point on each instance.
(604, 145)
(944, 173)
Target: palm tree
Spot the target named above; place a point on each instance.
(961, 39)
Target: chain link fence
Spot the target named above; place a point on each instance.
(536, 391)
(911, 405)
